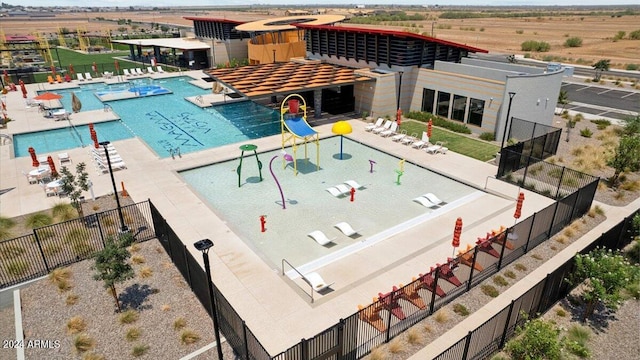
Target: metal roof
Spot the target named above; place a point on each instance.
(174, 43)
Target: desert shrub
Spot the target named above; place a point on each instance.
(561, 312)
(188, 337)
(632, 67)
(5, 225)
(573, 42)
(510, 274)
(71, 299)
(634, 35)
(488, 136)
(500, 281)
(76, 325)
(11, 251)
(520, 267)
(134, 248)
(537, 339)
(460, 309)
(138, 259)
(38, 220)
(83, 343)
(489, 290)
(92, 356)
(441, 316)
(536, 256)
(64, 211)
(520, 31)
(129, 317)
(533, 45)
(139, 350)
(17, 267)
(413, 336)
(586, 132)
(601, 123)
(132, 334)
(179, 323)
(561, 239)
(145, 272)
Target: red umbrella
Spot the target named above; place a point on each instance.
(90, 127)
(399, 116)
(32, 152)
(23, 88)
(52, 166)
(71, 68)
(429, 125)
(94, 137)
(518, 212)
(48, 96)
(457, 231)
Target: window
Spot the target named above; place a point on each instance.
(476, 110)
(428, 96)
(459, 105)
(443, 104)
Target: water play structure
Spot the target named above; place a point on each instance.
(294, 127)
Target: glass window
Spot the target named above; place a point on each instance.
(459, 105)
(428, 96)
(476, 110)
(443, 104)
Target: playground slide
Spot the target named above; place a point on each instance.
(299, 127)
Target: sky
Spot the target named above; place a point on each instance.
(151, 3)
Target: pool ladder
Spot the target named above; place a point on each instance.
(107, 107)
(175, 152)
(199, 99)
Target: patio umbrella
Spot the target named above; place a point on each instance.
(34, 158)
(71, 68)
(429, 126)
(7, 80)
(341, 128)
(399, 117)
(90, 127)
(76, 105)
(457, 231)
(94, 67)
(23, 88)
(518, 212)
(48, 96)
(94, 137)
(52, 166)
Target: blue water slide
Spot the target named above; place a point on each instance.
(299, 127)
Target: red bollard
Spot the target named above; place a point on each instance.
(353, 192)
(263, 221)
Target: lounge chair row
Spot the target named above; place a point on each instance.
(390, 129)
(323, 240)
(87, 77)
(100, 159)
(344, 188)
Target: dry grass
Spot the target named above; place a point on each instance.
(139, 350)
(520, 267)
(561, 239)
(76, 325)
(428, 328)
(188, 337)
(134, 248)
(537, 256)
(133, 334)
(414, 337)
(396, 346)
(179, 323)
(83, 343)
(165, 307)
(145, 272)
(378, 353)
(71, 299)
(138, 259)
(129, 317)
(59, 274)
(92, 356)
(441, 316)
(568, 232)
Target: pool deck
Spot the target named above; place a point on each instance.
(275, 308)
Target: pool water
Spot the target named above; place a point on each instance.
(167, 122)
(49, 141)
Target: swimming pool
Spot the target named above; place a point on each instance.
(49, 141)
(381, 209)
(167, 122)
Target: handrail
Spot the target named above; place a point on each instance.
(76, 131)
(5, 137)
(303, 277)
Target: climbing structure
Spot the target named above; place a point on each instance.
(43, 48)
(83, 40)
(294, 127)
(61, 40)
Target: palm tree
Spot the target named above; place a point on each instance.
(599, 67)
(563, 98)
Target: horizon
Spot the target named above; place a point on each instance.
(326, 3)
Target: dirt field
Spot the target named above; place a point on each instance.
(501, 35)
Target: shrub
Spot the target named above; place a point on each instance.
(378, 353)
(71, 299)
(17, 267)
(519, 31)
(5, 225)
(139, 350)
(573, 42)
(579, 333)
(179, 323)
(165, 307)
(132, 334)
(11, 251)
(129, 317)
(586, 133)
(489, 290)
(536, 256)
(413, 336)
(92, 356)
(52, 249)
(134, 248)
(510, 274)
(145, 272)
(138, 259)
(561, 312)
(538, 339)
(500, 281)
(601, 123)
(188, 337)
(460, 309)
(441, 316)
(83, 343)
(38, 220)
(488, 136)
(532, 45)
(634, 35)
(632, 67)
(438, 121)
(76, 325)
(64, 211)
(520, 267)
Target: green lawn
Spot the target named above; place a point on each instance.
(455, 142)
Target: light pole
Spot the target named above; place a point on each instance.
(506, 123)
(123, 227)
(204, 245)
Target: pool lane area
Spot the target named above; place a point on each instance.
(131, 92)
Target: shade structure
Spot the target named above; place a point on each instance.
(47, 96)
(457, 231)
(71, 68)
(76, 105)
(399, 117)
(34, 158)
(429, 126)
(52, 166)
(341, 128)
(23, 88)
(518, 212)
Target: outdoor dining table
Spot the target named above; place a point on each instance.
(54, 184)
(39, 171)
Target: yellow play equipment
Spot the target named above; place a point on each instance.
(294, 127)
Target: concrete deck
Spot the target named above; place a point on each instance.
(275, 308)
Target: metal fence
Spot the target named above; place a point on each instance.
(491, 336)
(49, 247)
(537, 140)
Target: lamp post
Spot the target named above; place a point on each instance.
(506, 123)
(204, 245)
(123, 227)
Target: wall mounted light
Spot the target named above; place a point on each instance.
(538, 102)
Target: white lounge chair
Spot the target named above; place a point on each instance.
(437, 148)
(320, 237)
(64, 158)
(433, 198)
(424, 141)
(372, 126)
(392, 130)
(150, 70)
(399, 136)
(159, 69)
(316, 281)
(80, 77)
(386, 126)
(88, 76)
(139, 71)
(346, 228)
(338, 190)
(30, 178)
(425, 202)
(126, 72)
(408, 140)
(354, 184)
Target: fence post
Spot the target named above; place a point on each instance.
(340, 336)
(573, 207)
(506, 325)
(44, 259)
(533, 221)
(433, 292)
(388, 335)
(473, 264)
(560, 182)
(526, 170)
(553, 218)
(465, 352)
(304, 351)
(244, 337)
(504, 243)
(100, 230)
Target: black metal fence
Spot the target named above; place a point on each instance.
(537, 140)
(49, 247)
(491, 336)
